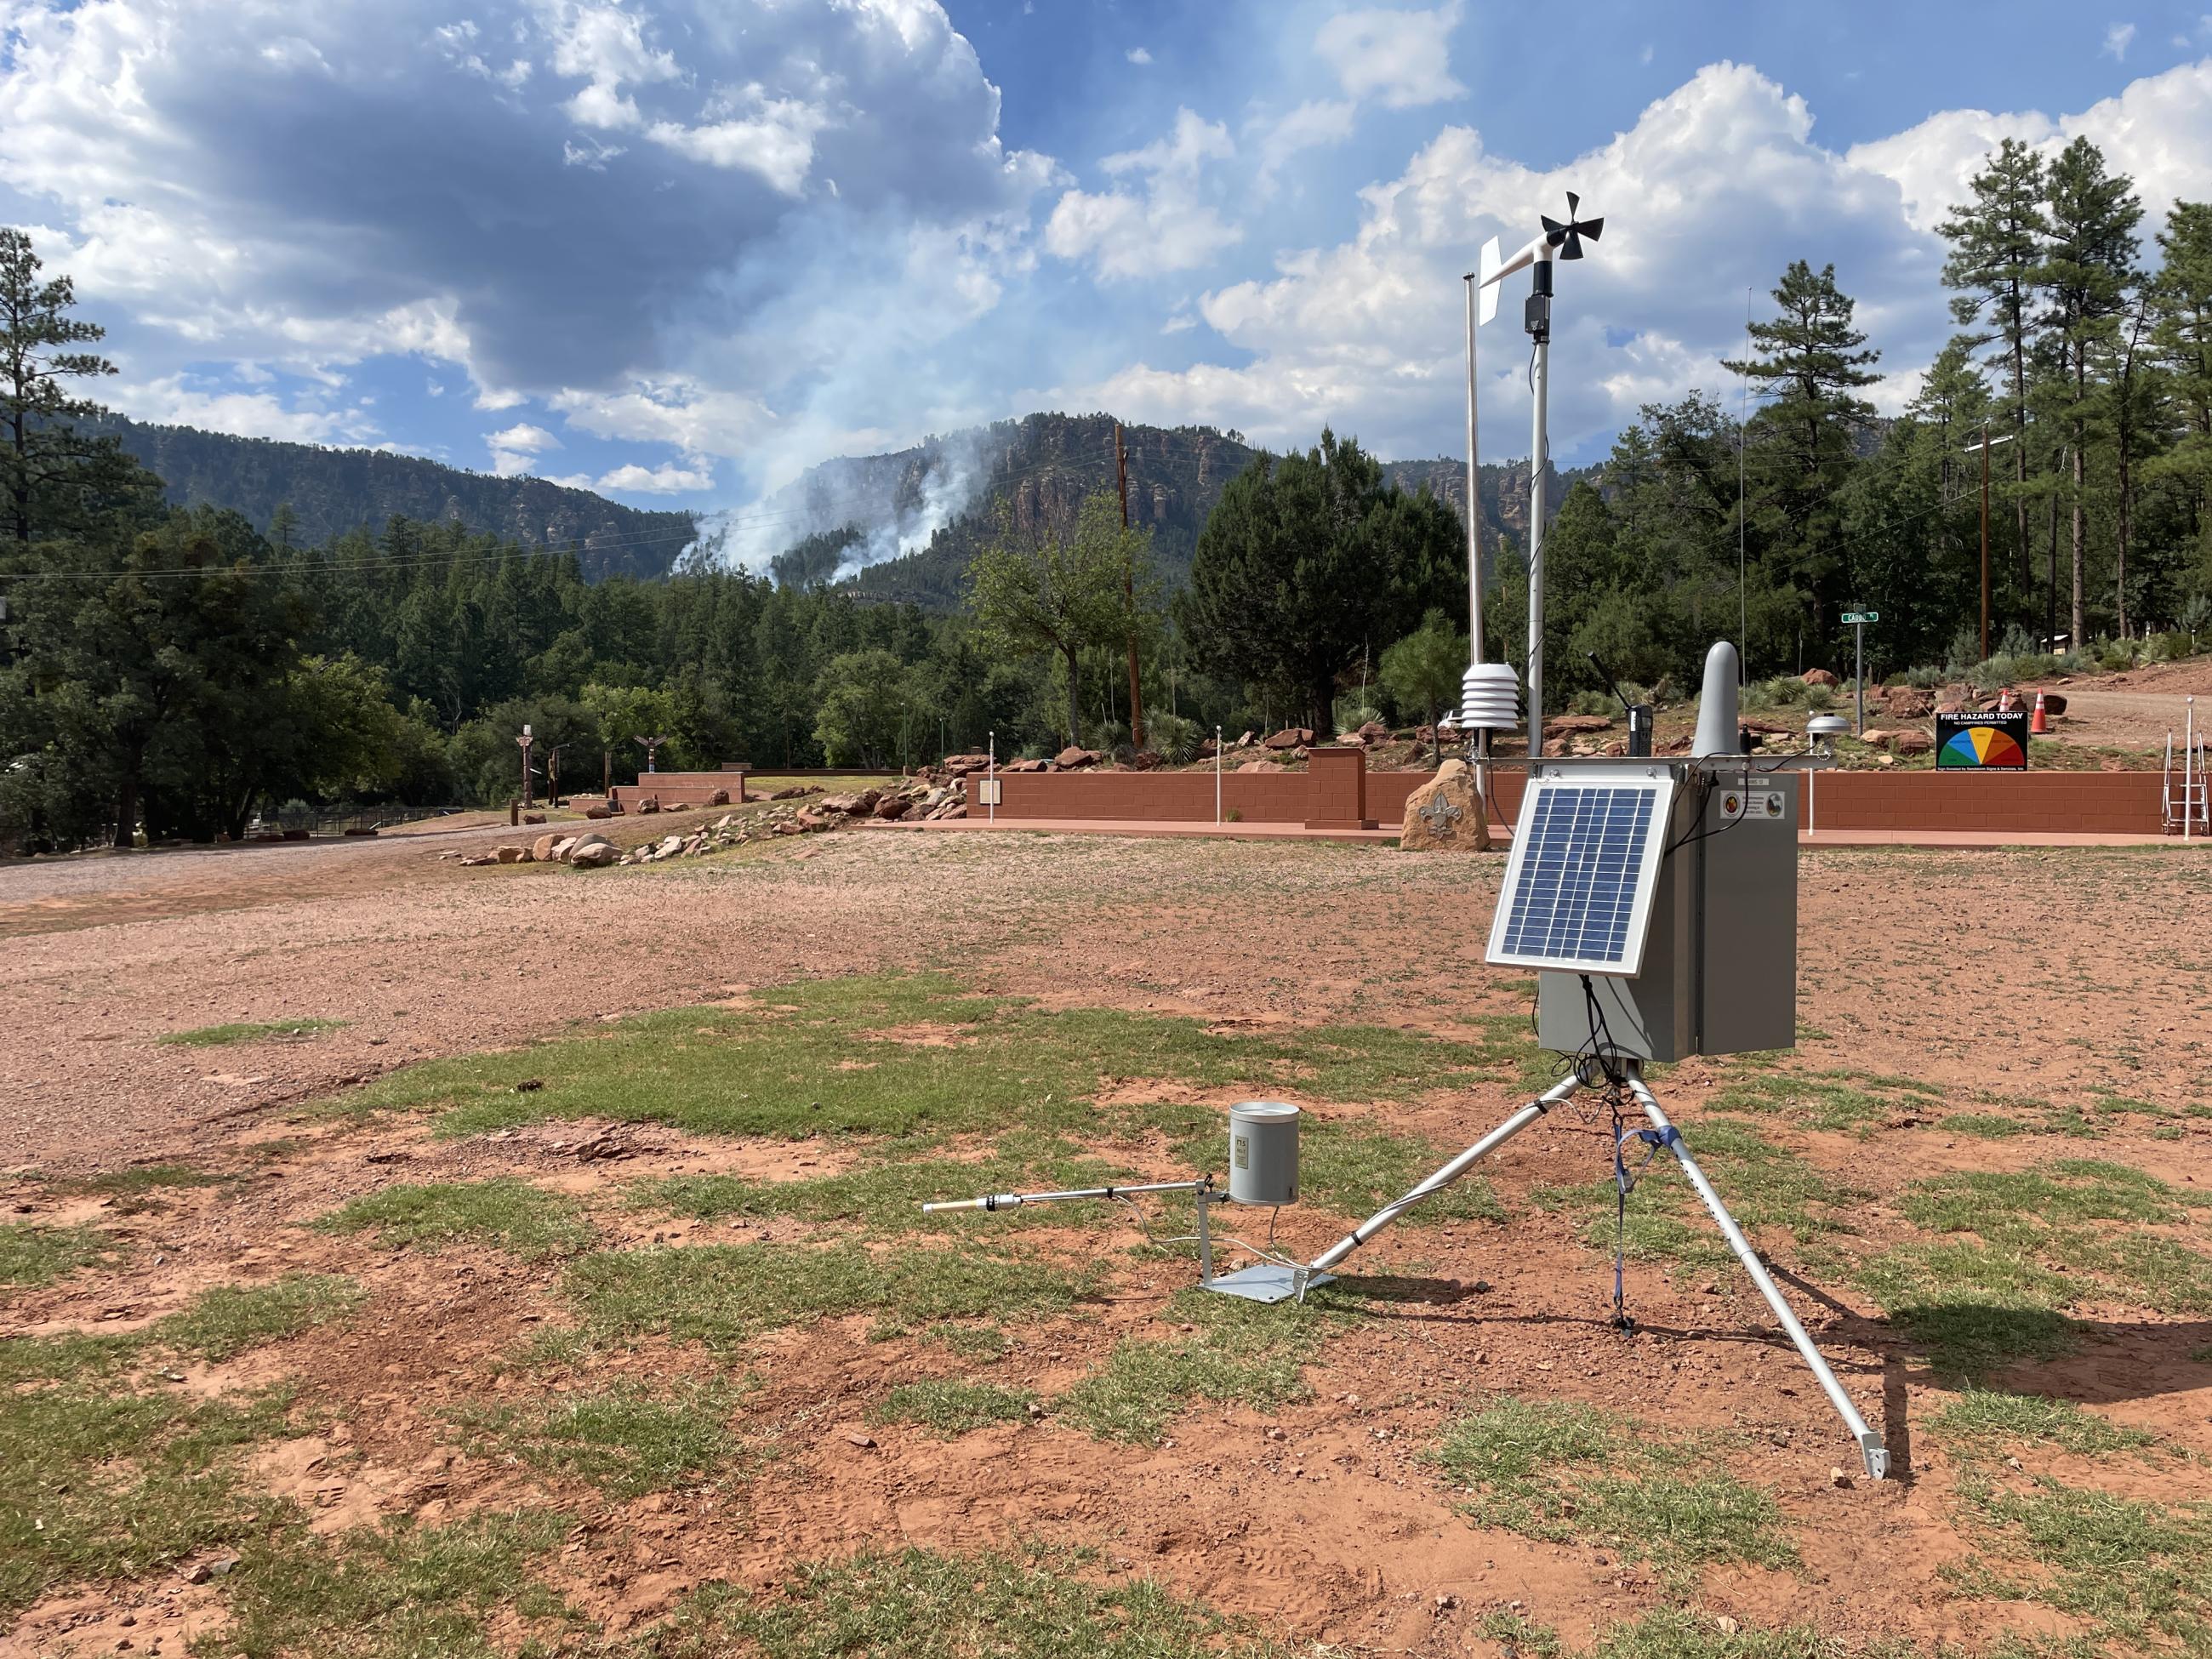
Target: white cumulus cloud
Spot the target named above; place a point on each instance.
(1162, 223)
(1401, 57)
(666, 479)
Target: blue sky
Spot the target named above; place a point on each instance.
(679, 249)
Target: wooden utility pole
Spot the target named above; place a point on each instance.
(1129, 593)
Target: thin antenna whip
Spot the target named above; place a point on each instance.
(1742, 430)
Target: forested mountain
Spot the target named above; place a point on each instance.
(1040, 469)
(333, 491)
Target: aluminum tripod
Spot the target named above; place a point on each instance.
(1871, 1449)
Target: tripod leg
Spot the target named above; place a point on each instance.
(1876, 1454)
(1444, 1177)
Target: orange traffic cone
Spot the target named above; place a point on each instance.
(2040, 725)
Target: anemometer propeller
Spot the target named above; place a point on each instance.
(1568, 237)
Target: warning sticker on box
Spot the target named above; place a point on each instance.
(1738, 804)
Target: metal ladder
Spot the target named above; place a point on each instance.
(2186, 811)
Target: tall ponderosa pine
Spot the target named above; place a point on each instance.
(36, 364)
(2086, 273)
(1806, 367)
(1996, 250)
(2181, 335)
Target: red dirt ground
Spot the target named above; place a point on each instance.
(2041, 976)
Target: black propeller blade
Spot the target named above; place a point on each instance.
(1568, 237)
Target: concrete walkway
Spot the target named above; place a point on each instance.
(1928, 840)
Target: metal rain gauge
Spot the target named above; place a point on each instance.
(1654, 898)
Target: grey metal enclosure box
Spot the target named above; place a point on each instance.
(1720, 964)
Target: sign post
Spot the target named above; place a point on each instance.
(525, 740)
(1858, 620)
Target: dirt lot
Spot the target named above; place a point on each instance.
(1985, 1160)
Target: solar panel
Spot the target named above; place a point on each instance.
(1579, 882)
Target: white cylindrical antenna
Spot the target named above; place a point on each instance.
(1717, 706)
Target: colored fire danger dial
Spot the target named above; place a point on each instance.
(1982, 745)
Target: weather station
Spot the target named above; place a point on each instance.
(1654, 898)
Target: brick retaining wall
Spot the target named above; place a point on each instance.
(1339, 791)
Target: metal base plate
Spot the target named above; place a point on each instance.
(1265, 1282)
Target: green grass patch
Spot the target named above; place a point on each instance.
(525, 1220)
(2018, 1206)
(921, 1604)
(25, 1359)
(100, 1485)
(1971, 1306)
(32, 1254)
(217, 1036)
(1989, 1418)
(720, 1294)
(397, 1592)
(912, 1056)
(231, 1318)
(1240, 1351)
(949, 1407)
(626, 1440)
(1570, 1473)
(1983, 1126)
(2083, 1215)
(2141, 1572)
(1824, 1100)
(137, 1182)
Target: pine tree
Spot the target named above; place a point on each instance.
(36, 331)
(2181, 335)
(1808, 366)
(1996, 249)
(2086, 273)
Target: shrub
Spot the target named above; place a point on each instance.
(1175, 738)
(1353, 710)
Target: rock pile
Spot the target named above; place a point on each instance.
(589, 849)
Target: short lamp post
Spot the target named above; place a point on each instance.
(1822, 731)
